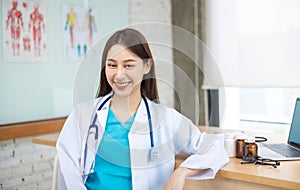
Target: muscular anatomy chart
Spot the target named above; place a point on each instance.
(24, 35)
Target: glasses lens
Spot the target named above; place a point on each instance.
(266, 161)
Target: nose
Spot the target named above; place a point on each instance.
(120, 73)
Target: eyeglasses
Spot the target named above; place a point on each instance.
(263, 161)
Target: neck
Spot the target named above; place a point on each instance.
(127, 104)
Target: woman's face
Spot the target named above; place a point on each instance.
(124, 71)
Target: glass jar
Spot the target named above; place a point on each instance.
(250, 150)
(230, 144)
(240, 139)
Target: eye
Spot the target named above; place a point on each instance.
(128, 66)
(111, 65)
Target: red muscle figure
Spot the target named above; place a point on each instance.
(14, 19)
(37, 24)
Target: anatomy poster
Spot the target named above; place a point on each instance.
(24, 34)
(79, 28)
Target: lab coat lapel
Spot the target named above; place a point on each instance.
(102, 114)
(140, 123)
(139, 137)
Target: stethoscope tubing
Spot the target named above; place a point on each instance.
(96, 128)
(149, 121)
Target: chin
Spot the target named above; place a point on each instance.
(122, 93)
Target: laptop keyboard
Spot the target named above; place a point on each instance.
(284, 149)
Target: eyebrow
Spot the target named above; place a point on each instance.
(125, 61)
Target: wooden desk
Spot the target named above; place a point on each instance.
(250, 177)
(47, 139)
(233, 175)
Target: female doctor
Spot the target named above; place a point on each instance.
(125, 139)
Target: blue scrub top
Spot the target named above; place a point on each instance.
(112, 163)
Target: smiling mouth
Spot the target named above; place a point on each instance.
(121, 84)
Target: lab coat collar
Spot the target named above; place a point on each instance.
(141, 119)
(140, 124)
(102, 114)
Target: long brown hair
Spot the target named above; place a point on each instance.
(137, 44)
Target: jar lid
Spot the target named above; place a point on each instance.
(250, 140)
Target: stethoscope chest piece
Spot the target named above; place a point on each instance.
(153, 154)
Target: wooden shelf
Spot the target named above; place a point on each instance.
(27, 129)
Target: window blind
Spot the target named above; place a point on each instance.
(254, 43)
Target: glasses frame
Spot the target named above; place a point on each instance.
(263, 161)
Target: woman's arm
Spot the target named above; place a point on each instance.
(69, 151)
(177, 180)
(207, 154)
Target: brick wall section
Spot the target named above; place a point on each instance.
(27, 166)
(24, 165)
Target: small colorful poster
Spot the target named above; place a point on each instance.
(24, 34)
(79, 28)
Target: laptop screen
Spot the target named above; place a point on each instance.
(294, 137)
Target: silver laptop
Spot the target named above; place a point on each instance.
(289, 150)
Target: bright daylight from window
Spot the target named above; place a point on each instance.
(260, 65)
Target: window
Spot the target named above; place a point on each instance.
(254, 45)
(260, 109)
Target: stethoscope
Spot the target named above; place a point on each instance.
(153, 154)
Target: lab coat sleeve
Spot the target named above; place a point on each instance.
(207, 152)
(68, 151)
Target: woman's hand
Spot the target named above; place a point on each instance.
(177, 180)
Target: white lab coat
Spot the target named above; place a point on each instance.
(172, 133)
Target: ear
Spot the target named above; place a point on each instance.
(148, 66)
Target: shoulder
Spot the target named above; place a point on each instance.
(92, 102)
(85, 105)
(165, 108)
(82, 114)
(170, 114)
(91, 106)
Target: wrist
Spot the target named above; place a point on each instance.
(186, 172)
(183, 172)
